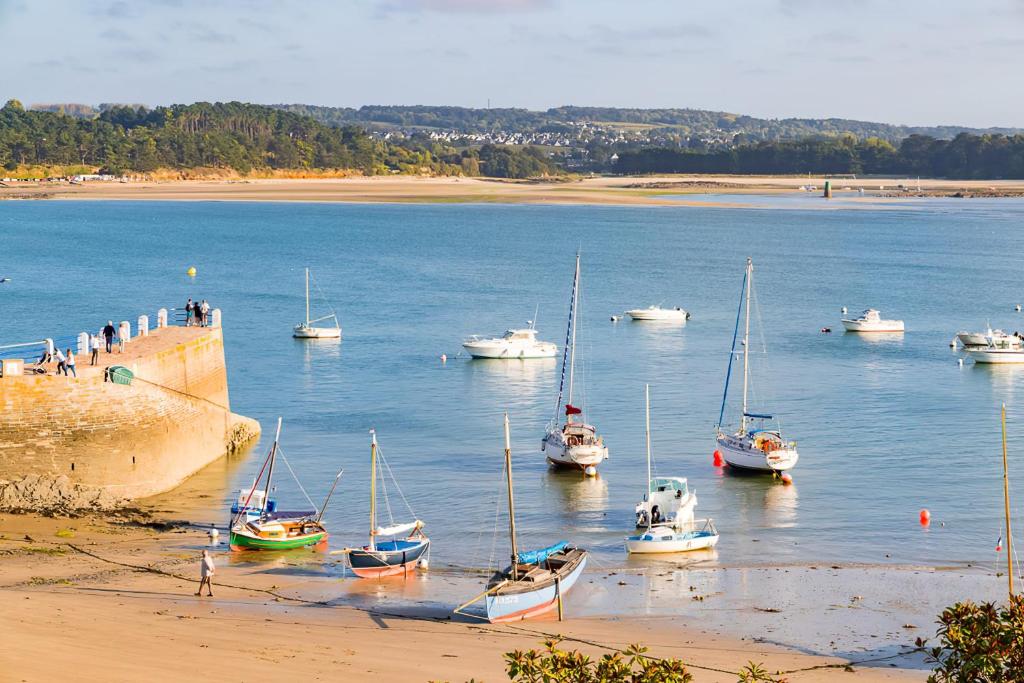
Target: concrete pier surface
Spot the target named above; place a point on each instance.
(127, 440)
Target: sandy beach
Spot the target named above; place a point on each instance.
(620, 191)
(72, 587)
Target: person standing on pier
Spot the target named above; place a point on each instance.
(190, 309)
(61, 361)
(108, 335)
(204, 310)
(69, 364)
(94, 346)
(206, 570)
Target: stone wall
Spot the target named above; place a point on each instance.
(131, 441)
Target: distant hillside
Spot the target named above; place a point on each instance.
(715, 126)
(243, 138)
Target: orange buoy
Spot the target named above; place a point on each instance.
(787, 478)
(925, 517)
(718, 458)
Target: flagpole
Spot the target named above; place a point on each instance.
(1006, 504)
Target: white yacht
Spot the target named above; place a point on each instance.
(871, 321)
(573, 443)
(522, 343)
(997, 351)
(751, 447)
(658, 313)
(995, 337)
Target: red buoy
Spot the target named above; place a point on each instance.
(925, 517)
(787, 478)
(718, 458)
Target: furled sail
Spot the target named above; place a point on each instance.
(397, 529)
(538, 556)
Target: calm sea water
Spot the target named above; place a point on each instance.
(885, 425)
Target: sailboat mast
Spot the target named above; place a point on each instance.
(746, 346)
(270, 472)
(511, 502)
(307, 297)
(1006, 503)
(373, 487)
(575, 303)
(647, 403)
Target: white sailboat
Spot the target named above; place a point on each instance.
(666, 512)
(308, 330)
(751, 447)
(573, 443)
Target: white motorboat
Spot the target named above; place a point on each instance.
(521, 344)
(996, 354)
(573, 443)
(666, 513)
(309, 330)
(871, 321)
(751, 447)
(668, 499)
(997, 338)
(658, 313)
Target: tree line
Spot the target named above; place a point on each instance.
(242, 137)
(966, 156)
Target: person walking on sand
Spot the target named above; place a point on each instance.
(59, 356)
(69, 364)
(190, 310)
(206, 570)
(108, 335)
(94, 346)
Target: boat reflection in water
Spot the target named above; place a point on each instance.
(781, 504)
(576, 493)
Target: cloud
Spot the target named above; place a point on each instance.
(670, 32)
(200, 33)
(116, 35)
(461, 6)
(835, 38)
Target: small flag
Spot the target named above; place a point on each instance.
(999, 545)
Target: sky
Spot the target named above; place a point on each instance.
(912, 62)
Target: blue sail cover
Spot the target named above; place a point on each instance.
(538, 556)
(758, 416)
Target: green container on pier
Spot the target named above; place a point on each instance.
(119, 374)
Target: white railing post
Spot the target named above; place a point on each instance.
(83, 343)
(215, 322)
(161, 318)
(143, 325)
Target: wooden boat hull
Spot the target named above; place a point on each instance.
(389, 559)
(239, 541)
(520, 605)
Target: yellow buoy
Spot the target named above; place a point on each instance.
(191, 271)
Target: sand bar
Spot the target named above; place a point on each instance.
(616, 191)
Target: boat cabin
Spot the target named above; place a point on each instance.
(580, 434)
(524, 334)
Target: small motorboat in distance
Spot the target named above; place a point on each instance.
(658, 313)
(997, 338)
(308, 330)
(514, 344)
(871, 321)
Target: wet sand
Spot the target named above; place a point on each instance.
(73, 587)
(621, 191)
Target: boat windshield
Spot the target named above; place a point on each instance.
(660, 484)
(519, 334)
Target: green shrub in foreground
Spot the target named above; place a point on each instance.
(980, 644)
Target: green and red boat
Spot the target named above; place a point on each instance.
(265, 529)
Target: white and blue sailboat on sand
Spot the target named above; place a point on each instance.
(535, 581)
(752, 446)
(398, 548)
(666, 513)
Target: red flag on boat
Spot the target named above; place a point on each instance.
(572, 410)
(999, 545)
